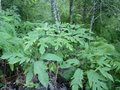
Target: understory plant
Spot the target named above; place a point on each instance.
(89, 61)
(51, 43)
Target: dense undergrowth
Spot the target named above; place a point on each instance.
(85, 60)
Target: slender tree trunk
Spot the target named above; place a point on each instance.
(0, 6)
(71, 11)
(93, 15)
(55, 12)
(58, 14)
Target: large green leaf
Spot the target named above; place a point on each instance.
(6, 55)
(42, 49)
(70, 63)
(96, 81)
(77, 79)
(14, 60)
(104, 71)
(52, 57)
(29, 76)
(75, 87)
(40, 69)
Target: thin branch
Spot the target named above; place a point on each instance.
(92, 9)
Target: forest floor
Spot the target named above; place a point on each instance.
(12, 85)
(15, 81)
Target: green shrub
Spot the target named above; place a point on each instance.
(89, 61)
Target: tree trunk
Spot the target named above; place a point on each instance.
(55, 12)
(71, 11)
(93, 15)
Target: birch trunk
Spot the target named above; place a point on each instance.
(93, 15)
(55, 12)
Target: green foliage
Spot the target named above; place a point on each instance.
(69, 45)
(41, 43)
(44, 43)
(8, 35)
(77, 80)
(52, 57)
(95, 60)
(40, 48)
(34, 10)
(40, 69)
(96, 81)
